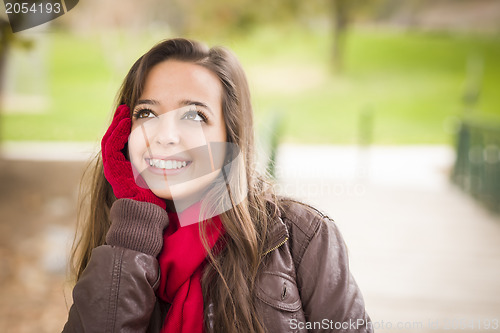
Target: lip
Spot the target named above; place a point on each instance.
(167, 157)
(165, 172)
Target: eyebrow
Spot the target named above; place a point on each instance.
(191, 102)
(147, 101)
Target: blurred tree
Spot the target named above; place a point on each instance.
(217, 17)
(341, 12)
(172, 11)
(7, 39)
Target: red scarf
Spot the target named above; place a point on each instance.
(182, 260)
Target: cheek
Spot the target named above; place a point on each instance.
(222, 131)
(136, 145)
(197, 138)
(219, 155)
(216, 133)
(221, 147)
(216, 139)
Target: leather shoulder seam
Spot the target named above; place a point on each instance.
(311, 208)
(308, 227)
(313, 225)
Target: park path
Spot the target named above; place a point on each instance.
(423, 253)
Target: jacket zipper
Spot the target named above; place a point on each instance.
(274, 248)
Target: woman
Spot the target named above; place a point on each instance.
(182, 234)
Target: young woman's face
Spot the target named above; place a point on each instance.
(176, 118)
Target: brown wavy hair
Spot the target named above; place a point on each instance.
(231, 272)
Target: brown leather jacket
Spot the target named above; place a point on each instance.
(304, 285)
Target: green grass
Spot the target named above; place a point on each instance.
(411, 83)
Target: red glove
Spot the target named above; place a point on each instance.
(117, 169)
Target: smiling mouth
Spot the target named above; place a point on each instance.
(167, 164)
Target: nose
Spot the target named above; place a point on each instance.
(166, 132)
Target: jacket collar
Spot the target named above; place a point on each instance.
(278, 235)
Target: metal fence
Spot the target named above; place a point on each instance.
(477, 166)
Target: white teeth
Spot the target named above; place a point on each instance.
(168, 164)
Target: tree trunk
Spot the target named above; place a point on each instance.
(5, 39)
(340, 11)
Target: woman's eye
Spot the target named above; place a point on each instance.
(194, 115)
(144, 114)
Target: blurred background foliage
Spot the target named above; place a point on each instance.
(405, 71)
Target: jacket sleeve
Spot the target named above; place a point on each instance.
(328, 291)
(116, 292)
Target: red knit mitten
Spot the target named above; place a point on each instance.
(117, 169)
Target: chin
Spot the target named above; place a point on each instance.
(180, 196)
(187, 191)
(176, 192)
(162, 193)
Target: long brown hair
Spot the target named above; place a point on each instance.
(232, 272)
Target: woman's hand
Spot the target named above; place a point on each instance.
(117, 169)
